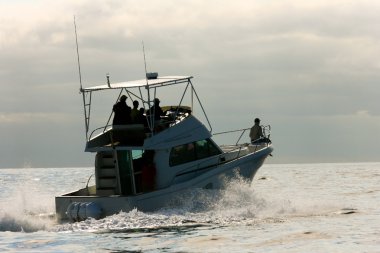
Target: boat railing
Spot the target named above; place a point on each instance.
(234, 153)
(234, 131)
(128, 135)
(164, 123)
(104, 129)
(266, 132)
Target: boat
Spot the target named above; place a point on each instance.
(178, 151)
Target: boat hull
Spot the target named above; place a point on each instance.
(245, 167)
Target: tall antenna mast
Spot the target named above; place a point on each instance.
(144, 62)
(151, 119)
(76, 41)
(86, 106)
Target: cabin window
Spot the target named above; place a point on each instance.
(205, 148)
(137, 153)
(192, 151)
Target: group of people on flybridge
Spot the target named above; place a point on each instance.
(123, 114)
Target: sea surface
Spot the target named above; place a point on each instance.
(287, 208)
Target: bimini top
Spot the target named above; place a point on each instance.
(151, 83)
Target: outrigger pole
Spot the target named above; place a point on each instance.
(87, 117)
(76, 42)
(150, 119)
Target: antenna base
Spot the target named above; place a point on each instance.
(151, 75)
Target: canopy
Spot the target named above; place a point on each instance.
(159, 81)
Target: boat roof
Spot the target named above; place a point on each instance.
(159, 81)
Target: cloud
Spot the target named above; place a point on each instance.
(289, 62)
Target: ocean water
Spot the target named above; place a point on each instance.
(287, 208)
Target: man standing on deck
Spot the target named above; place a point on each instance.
(156, 110)
(256, 132)
(122, 112)
(135, 111)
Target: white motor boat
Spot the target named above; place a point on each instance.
(147, 165)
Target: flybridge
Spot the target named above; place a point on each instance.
(144, 91)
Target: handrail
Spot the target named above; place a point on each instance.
(237, 150)
(234, 131)
(178, 118)
(88, 181)
(104, 130)
(266, 132)
(198, 167)
(265, 129)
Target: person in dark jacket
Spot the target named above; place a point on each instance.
(156, 110)
(256, 132)
(153, 116)
(141, 119)
(122, 112)
(135, 111)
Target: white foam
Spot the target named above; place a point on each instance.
(197, 207)
(27, 209)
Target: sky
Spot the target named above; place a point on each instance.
(310, 69)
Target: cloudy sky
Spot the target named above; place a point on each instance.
(310, 69)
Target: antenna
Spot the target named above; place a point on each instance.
(150, 119)
(150, 75)
(108, 80)
(144, 60)
(76, 41)
(86, 106)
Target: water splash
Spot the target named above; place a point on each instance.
(30, 208)
(27, 209)
(197, 207)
